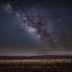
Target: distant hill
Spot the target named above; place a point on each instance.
(37, 57)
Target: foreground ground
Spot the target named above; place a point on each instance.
(36, 65)
(51, 67)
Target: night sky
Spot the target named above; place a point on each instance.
(20, 35)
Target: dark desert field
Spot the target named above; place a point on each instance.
(36, 64)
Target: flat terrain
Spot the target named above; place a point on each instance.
(36, 67)
(35, 64)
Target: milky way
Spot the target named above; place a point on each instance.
(32, 22)
(48, 24)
